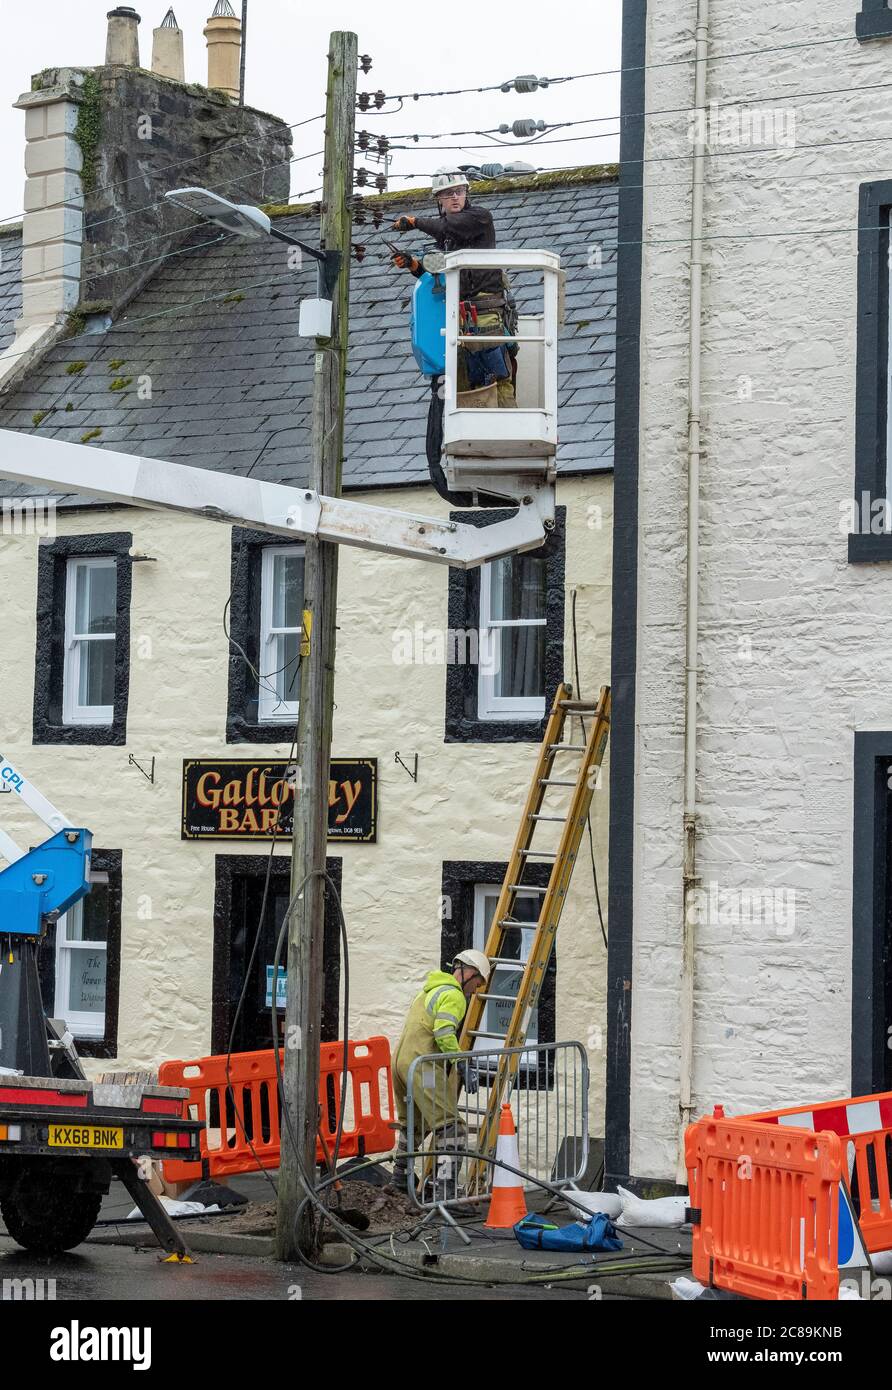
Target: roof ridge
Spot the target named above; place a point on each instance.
(556, 178)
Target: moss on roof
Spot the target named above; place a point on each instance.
(557, 178)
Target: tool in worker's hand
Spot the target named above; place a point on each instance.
(402, 258)
(404, 224)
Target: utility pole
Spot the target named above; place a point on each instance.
(306, 927)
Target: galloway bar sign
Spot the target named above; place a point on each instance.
(243, 799)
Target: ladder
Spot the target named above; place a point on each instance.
(578, 768)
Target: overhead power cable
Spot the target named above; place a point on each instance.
(618, 72)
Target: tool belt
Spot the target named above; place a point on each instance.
(486, 303)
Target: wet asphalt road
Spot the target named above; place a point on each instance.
(118, 1273)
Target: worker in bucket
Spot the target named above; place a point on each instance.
(486, 306)
(432, 1026)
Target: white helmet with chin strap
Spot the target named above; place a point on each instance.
(476, 960)
(445, 178)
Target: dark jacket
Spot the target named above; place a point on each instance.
(466, 230)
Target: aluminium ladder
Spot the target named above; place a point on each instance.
(589, 756)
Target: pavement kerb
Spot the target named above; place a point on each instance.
(498, 1271)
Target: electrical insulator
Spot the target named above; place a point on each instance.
(317, 208)
(358, 216)
(381, 183)
(528, 83)
(523, 128)
(362, 139)
(491, 171)
(377, 217)
(362, 177)
(380, 98)
(359, 252)
(383, 144)
(362, 101)
(365, 63)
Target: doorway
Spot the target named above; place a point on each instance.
(238, 905)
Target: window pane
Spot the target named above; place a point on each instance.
(86, 989)
(518, 588)
(95, 593)
(288, 590)
(521, 665)
(287, 678)
(96, 684)
(88, 920)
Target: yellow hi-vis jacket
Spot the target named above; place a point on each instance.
(433, 1020)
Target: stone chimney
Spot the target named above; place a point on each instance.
(223, 32)
(167, 49)
(52, 228)
(122, 43)
(102, 146)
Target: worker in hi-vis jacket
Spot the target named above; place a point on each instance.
(432, 1026)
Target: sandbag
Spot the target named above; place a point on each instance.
(660, 1211)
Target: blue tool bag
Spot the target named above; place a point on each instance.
(536, 1233)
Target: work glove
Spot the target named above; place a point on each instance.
(404, 224)
(404, 261)
(468, 1073)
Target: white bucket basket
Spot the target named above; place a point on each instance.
(508, 439)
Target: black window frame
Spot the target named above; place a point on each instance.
(871, 392)
(462, 722)
(874, 20)
(871, 905)
(242, 725)
(460, 877)
(110, 862)
(49, 664)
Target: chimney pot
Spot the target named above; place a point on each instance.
(223, 33)
(167, 49)
(122, 42)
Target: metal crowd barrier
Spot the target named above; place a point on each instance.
(547, 1086)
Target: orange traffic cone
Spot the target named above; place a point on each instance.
(507, 1205)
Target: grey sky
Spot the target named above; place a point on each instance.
(462, 44)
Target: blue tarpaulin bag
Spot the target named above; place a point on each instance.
(536, 1233)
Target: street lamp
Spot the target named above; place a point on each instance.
(247, 221)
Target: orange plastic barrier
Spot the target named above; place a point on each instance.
(864, 1126)
(767, 1203)
(241, 1126)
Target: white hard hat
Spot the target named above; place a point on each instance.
(476, 960)
(445, 178)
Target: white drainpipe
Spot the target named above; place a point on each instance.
(693, 569)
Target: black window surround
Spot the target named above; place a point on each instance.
(242, 723)
(463, 724)
(107, 861)
(226, 868)
(52, 566)
(874, 21)
(867, 543)
(870, 908)
(460, 878)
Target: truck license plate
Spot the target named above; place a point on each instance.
(86, 1137)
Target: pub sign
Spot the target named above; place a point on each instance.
(245, 799)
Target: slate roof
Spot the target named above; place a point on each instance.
(10, 285)
(215, 334)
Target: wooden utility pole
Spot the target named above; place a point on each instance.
(306, 928)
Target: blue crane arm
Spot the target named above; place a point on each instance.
(47, 880)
